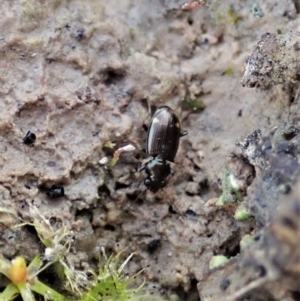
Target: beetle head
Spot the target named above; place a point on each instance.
(157, 171)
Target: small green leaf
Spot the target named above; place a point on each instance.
(193, 105)
(34, 265)
(242, 215)
(9, 293)
(228, 71)
(46, 291)
(25, 291)
(217, 261)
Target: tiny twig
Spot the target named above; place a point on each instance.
(252, 285)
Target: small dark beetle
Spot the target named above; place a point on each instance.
(55, 192)
(163, 134)
(162, 144)
(29, 138)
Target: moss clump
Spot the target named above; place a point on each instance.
(107, 284)
(242, 215)
(193, 105)
(110, 283)
(232, 193)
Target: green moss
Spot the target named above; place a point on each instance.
(107, 284)
(220, 16)
(233, 16)
(132, 33)
(31, 14)
(217, 261)
(109, 145)
(231, 193)
(110, 283)
(242, 215)
(193, 105)
(228, 71)
(246, 241)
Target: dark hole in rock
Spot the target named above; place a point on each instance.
(139, 156)
(135, 197)
(296, 295)
(31, 229)
(290, 133)
(153, 245)
(204, 186)
(84, 212)
(189, 194)
(109, 227)
(79, 34)
(234, 251)
(289, 223)
(231, 249)
(109, 149)
(132, 196)
(103, 190)
(56, 191)
(54, 220)
(49, 60)
(49, 277)
(225, 283)
(190, 21)
(261, 270)
(139, 201)
(112, 76)
(190, 213)
(171, 210)
(191, 295)
(119, 185)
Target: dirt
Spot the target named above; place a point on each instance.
(84, 76)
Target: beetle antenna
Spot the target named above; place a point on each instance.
(183, 133)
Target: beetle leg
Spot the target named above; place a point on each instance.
(142, 167)
(145, 127)
(183, 133)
